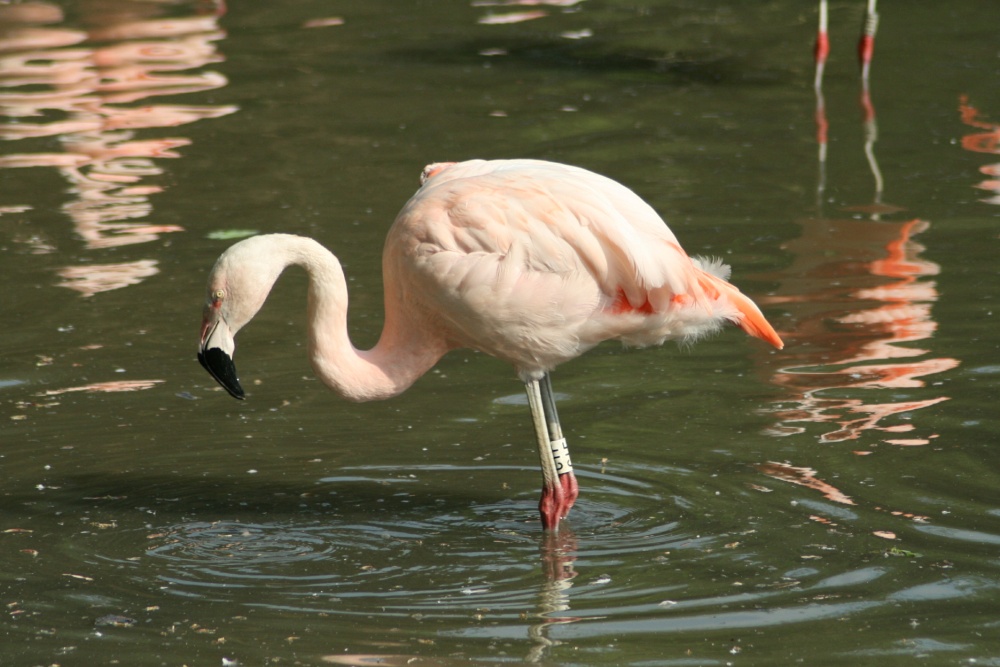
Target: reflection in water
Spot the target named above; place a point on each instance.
(107, 387)
(861, 296)
(341, 554)
(988, 142)
(507, 17)
(558, 554)
(80, 87)
(88, 280)
(858, 314)
(804, 477)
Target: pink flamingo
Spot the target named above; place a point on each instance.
(531, 262)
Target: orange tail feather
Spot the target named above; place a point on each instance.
(752, 320)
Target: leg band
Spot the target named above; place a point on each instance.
(560, 453)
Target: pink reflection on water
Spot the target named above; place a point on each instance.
(804, 477)
(858, 316)
(89, 87)
(508, 17)
(107, 387)
(513, 17)
(861, 297)
(92, 279)
(988, 142)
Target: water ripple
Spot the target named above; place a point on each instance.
(419, 555)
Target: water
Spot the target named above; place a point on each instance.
(833, 503)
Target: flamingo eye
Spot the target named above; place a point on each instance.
(219, 295)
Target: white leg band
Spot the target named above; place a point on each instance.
(560, 453)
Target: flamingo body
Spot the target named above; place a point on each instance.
(531, 262)
(535, 263)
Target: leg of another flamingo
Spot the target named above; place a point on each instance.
(866, 45)
(822, 125)
(822, 48)
(866, 49)
(559, 486)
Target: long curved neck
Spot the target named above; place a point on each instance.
(404, 352)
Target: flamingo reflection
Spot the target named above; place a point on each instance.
(861, 296)
(987, 141)
(558, 555)
(80, 86)
(804, 477)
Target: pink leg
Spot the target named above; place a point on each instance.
(550, 506)
(559, 486)
(866, 45)
(822, 49)
(822, 126)
(570, 490)
(557, 500)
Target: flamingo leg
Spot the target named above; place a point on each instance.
(566, 477)
(559, 485)
(866, 44)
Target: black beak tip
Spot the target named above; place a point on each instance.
(221, 367)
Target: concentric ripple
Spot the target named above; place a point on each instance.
(404, 544)
(242, 547)
(646, 550)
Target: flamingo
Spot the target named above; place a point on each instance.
(531, 262)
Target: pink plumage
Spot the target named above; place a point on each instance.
(531, 262)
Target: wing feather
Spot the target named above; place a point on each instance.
(561, 219)
(535, 261)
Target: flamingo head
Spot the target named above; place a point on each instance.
(237, 288)
(218, 343)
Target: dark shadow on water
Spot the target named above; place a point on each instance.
(184, 495)
(592, 57)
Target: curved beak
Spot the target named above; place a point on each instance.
(216, 354)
